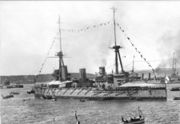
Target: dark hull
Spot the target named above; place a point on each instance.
(175, 89)
(135, 122)
(101, 98)
(176, 98)
(7, 97)
(94, 94)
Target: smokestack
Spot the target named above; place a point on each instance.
(149, 77)
(142, 76)
(64, 72)
(102, 70)
(82, 74)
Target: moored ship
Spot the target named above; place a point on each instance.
(119, 85)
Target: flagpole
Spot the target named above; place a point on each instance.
(166, 81)
(166, 91)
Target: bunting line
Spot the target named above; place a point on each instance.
(128, 38)
(87, 27)
(42, 65)
(72, 30)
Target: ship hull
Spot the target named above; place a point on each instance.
(92, 94)
(103, 98)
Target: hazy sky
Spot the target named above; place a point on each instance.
(28, 28)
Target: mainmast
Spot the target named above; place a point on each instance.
(60, 53)
(116, 47)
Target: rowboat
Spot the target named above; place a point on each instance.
(135, 119)
(7, 96)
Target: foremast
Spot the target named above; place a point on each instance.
(116, 47)
(60, 54)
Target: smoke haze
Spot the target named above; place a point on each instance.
(169, 46)
(29, 27)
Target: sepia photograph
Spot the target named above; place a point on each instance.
(90, 62)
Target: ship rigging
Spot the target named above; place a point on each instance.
(118, 59)
(119, 85)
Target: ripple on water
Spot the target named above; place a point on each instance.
(33, 111)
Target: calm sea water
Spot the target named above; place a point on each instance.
(25, 109)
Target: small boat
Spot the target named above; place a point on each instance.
(175, 89)
(19, 86)
(15, 86)
(82, 100)
(176, 98)
(30, 92)
(134, 121)
(14, 93)
(26, 99)
(10, 86)
(140, 119)
(7, 96)
(49, 98)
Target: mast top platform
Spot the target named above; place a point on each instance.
(60, 54)
(117, 47)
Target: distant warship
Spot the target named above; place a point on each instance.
(119, 85)
(174, 77)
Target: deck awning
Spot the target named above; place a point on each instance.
(58, 82)
(142, 84)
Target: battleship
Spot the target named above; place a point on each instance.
(121, 85)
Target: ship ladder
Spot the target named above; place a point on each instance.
(48, 92)
(53, 91)
(43, 91)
